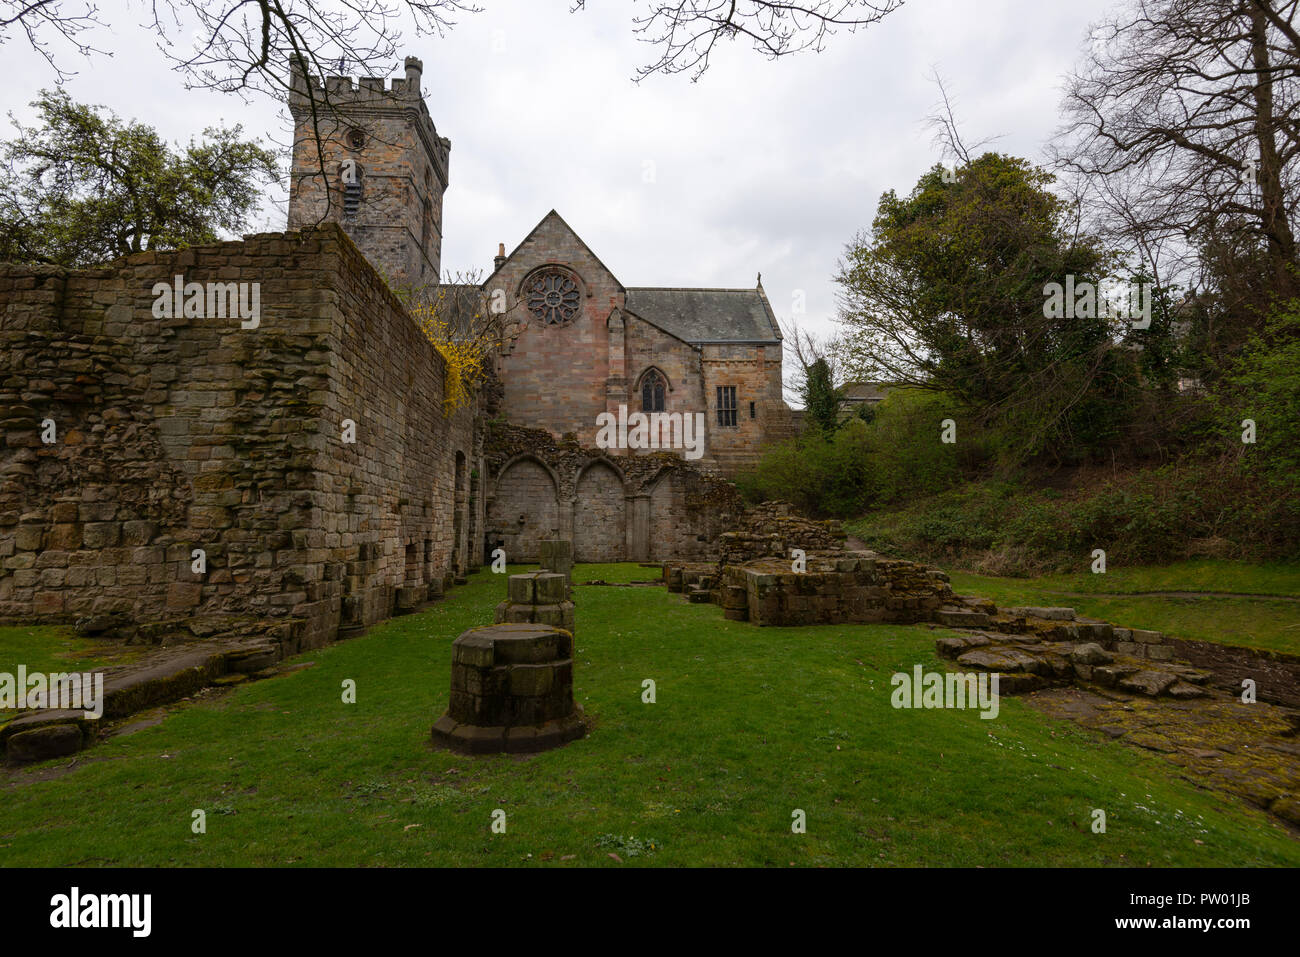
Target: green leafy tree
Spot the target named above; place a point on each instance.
(948, 293)
(827, 476)
(81, 187)
(1263, 385)
(821, 400)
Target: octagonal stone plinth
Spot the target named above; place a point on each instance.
(511, 691)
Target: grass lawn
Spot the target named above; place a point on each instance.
(50, 648)
(749, 725)
(1222, 612)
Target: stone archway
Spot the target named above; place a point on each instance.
(600, 515)
(663, 522)
(524, 510)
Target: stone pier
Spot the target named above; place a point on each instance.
(540, 598)
(511, 691)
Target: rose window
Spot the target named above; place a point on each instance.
(552, 297)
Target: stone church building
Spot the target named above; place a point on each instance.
(590, 344)
(583, 343)
(580, 341)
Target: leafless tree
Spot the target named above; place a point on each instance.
(943, 122)
(244, 44)
(1184, 120)
(806, 347)
(686, 32)
(246, 47)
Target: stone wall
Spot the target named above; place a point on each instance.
(192, 432)
(846, 589)
(755, 371)
(636, 508)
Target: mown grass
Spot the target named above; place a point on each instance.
(51, 648)
(1223, 614)
(749, 725)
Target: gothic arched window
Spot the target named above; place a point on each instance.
(653, 389)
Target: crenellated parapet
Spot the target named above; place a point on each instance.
(367, 155)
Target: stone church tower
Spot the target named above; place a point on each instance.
(383, 171)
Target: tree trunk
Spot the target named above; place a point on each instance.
(1276, 226)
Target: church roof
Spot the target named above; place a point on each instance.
(707, 315)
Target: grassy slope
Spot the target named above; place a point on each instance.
(1118, 596)
(750, 724)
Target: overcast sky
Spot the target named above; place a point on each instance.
(761, 166)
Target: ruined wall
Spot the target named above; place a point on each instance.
(391, 520)
(188, 432)
(850, 589)
(639, 508)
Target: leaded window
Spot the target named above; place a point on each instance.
(653, 389)
(727, 406)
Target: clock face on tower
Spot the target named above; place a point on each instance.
(552, 296)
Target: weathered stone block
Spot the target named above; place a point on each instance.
(138, 532)
(183, 595)
(101, 534)
(558, 616)
(551, 588)
(1050, 614)
(530, 680)
(1148, 682)
(522, 589)
(556, 555)
(65, 536)
(40, 744)
(28, 538)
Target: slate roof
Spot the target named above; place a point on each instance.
(707, 315)
(855, 392)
